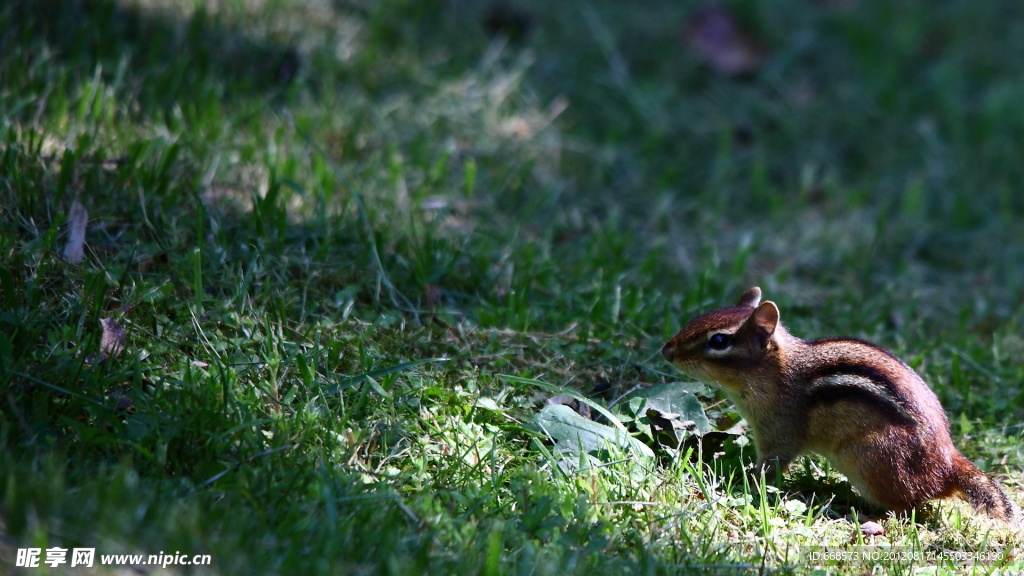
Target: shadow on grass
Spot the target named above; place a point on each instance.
(103, 35)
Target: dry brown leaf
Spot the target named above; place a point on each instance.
(74, 251)
(715, 36)
(113, 340)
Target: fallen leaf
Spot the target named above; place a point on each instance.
(113, 340)
(715, 36)
(576, 435)
(566, 400)
(675, 399)
(78, 219)
(664, 427)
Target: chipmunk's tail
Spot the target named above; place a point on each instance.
(984, 493)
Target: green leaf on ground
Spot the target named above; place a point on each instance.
(575, 434)
(672, 398)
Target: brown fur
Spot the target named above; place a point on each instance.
(858, 405)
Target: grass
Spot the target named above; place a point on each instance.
(331, 230)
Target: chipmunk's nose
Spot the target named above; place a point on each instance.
(668, 350)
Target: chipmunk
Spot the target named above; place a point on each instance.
(862, 408)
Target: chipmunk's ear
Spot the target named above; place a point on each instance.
(750, 298)
(764, 321)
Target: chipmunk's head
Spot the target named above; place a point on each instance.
(726, 346)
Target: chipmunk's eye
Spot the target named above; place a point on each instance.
(720, 341)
